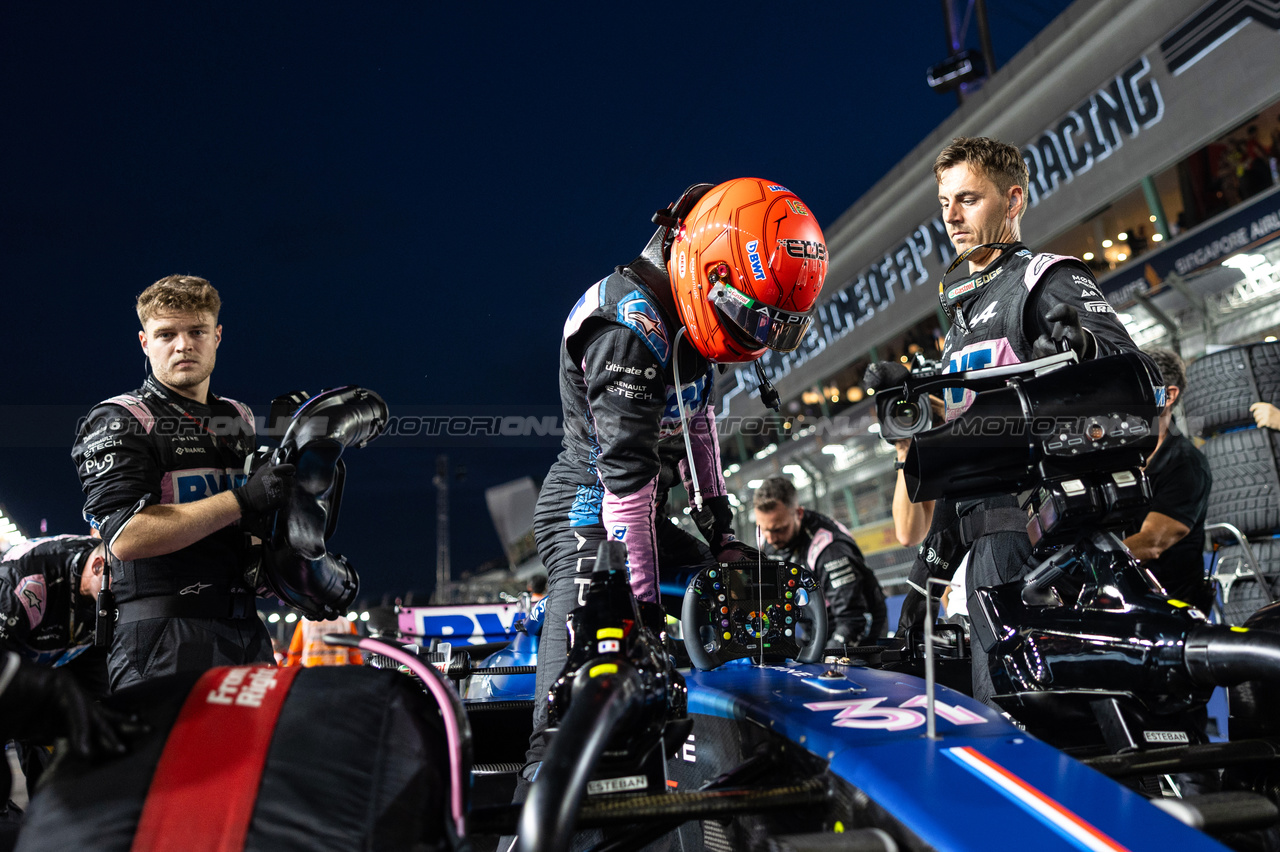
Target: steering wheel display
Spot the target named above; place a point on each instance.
(770, 609)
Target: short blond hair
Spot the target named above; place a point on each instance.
(181, 293)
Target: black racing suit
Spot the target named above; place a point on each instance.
(188, 610)
(997, 324)
(623, 450)
(43, 616)
(45, 619)
(855, 601)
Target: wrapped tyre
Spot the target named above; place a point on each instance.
(1221, 386)
(357, 759)
(1246, 491)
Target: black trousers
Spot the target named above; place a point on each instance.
(155, 647)
(569, 554)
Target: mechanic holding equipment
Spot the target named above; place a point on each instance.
(1012, 307)
(163, 472)
(732, 272)
(1171, 540)
(855, 601)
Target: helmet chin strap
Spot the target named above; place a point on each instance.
(684, 421)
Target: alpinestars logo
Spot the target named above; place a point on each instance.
(647, 324)
(196, 588)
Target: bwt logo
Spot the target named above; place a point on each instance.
(470, 625)
(753, 255)
(192, 485)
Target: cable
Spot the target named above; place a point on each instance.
(684, 422)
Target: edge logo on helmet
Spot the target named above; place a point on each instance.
(804, 249)
(753, 256)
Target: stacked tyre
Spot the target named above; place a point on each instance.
(1243, 458)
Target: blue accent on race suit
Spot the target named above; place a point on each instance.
(636, 312)
(586, 506)
(973, 360)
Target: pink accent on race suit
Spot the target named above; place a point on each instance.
(821, 539)
(706, 455)
(33, 593)
(136, 407)
(244, 411)
(1001, 354)
(633, 515)
(1038, 266)
(590, 301)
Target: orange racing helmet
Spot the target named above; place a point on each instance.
(746, 267)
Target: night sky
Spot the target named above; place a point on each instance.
(405, 196)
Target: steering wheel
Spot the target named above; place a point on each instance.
(745, 607)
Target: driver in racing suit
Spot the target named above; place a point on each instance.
(731, 272)
(1012, 307)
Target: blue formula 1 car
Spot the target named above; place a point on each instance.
(769, 743)
(756, 749)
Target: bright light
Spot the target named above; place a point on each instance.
(786, 425)
(352, 616)
(1106, 243)
(688, 510)
(364, 616)
(1152, 217)
(1122, 236)
(290, 618)
(735, 467)
(798, 474)
(273, 618)
(1155, 238)
(1122, 256)
(833, 450)
(755, 483)
(1088, 255)
(767, 451)
(1270, 338)
(874, 428)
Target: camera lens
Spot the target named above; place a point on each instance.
(905, 414)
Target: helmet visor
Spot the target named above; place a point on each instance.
(771, 327)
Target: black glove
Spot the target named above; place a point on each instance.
(884, 374)
(43, 703)
(715, 521)
(1066, 330)
(737, 551)
(266, 490)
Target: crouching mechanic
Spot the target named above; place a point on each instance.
(731, 272)
(163, 472)
(1013, 306)
(48, 591)
(855, 601)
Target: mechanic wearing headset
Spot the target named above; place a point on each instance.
(1012, 307)
(732, 272)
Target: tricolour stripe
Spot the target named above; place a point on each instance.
(1056, 815)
